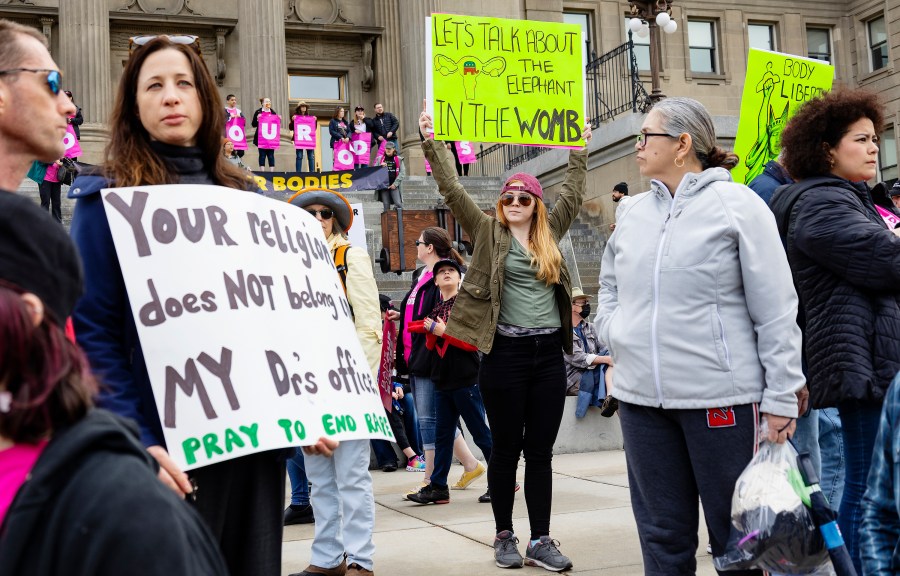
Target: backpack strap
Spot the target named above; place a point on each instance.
(340, 263)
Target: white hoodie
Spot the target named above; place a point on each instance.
(697, 303)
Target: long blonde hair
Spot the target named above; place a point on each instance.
(545, 255)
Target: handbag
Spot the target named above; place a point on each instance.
(68, 171)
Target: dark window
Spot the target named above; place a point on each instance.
(878, 46)
(702, 43)
(818, 44)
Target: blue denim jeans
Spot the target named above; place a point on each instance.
(423, 391)
(831, 445)
(859, 422)
(311, 159)
(384, 452)
(299, 483)
(450, 406)
(591, 390)
(806, 438)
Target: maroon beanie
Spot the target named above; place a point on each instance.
(529, 184)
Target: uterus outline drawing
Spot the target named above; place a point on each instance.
(469, 68)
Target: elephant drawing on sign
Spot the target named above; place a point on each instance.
(469, 67)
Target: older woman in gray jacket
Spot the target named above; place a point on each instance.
(699, 311)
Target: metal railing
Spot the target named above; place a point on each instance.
(614, 87)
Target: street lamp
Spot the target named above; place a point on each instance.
(647, 17)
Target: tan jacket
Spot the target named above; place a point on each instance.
(474, 316)
(362, 293)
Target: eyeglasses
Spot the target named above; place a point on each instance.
(643, 136)
(136, 42)
(326, 213)
(422, 243)
(54, 78)
(523, 199)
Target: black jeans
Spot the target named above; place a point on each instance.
(674, 457)
(523, 383)
(50, 198)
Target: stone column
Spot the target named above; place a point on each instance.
(263, 61)
(412, 73)
(84, 57)
(388, 56)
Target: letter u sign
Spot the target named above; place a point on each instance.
(269, 130)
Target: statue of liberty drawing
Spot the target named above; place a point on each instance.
(768, 140)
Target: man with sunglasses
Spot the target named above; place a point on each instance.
(34, 111)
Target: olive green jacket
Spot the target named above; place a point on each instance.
(477, 308)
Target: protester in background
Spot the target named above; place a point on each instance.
(385, 126)
(396, 173)
(228, 152)
(846, 264)
(265, 106)
(461, 169)
(50, 190)
(342, 486)
(338, 128)
(690, 397)
(302, 109)
(414, 359)
(78, 492)
(587, 371)
(619, 196)
(515, 307)
(240, 499)
(454, 371)
(232, 111)
(77, 119)
(33, 110)
(361, 125)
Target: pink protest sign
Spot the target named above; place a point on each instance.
(305, 132)
(361, 146)
(465, 152)
(343, 156)
(427, 166)
(73, 148)
(379, 156)
(269, 131)
(234, 131)
(889, 217)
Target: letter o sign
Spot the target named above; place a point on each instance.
(69, 140)
(345, 156)
(235, 133)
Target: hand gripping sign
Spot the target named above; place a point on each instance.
(305, 132)
(248, 338)
(234, 131)
(343, 156)
(73, 147)
(269, 136)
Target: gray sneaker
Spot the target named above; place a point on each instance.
(506, 550)
(546, 554)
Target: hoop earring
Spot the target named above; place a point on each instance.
(677, 165)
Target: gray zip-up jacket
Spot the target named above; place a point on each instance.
(696, 300)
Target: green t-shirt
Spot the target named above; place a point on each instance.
(526, 301)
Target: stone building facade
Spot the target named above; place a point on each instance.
(359, 52)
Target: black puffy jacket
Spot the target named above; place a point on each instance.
(846, 266)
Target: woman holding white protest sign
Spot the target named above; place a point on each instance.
(167, 127)
(342, 499)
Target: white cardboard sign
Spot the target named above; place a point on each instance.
(246, 332)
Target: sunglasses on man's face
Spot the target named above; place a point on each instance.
(326, 213)
(54, 78)
(523, 199)
(136, 42)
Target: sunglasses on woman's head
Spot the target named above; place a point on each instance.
(136, 42)
(326, 213)
(54, 78)
(523, 199)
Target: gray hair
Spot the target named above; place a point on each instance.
(688, 116)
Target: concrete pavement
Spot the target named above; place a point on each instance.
(592, 520)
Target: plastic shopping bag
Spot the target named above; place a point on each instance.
(772, 528)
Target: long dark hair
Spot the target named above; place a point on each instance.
(130, 161)
(443, 246)
(45, 372)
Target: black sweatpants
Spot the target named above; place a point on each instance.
(523, 384)
(242, 501)
(674, 457)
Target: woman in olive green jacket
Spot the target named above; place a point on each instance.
(514, 305)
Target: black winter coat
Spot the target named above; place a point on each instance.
(846, 266)
(420, 358)
(93, 506)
